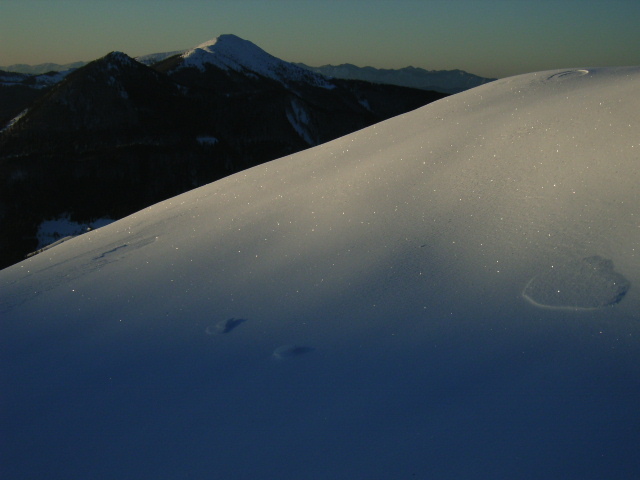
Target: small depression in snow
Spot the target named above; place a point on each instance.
(109, 252)
(584, 284)
(225, 326)
(567, 74)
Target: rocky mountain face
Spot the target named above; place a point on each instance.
(116, 135)
(447, 81)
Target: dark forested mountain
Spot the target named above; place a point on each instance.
(19, 90)
(116, 135)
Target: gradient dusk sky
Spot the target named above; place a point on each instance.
(491, 38)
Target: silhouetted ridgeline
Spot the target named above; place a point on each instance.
(115, 135)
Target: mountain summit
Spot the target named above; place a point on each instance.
(154, 132)
(229, 52)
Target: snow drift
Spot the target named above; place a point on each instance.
(448, 294)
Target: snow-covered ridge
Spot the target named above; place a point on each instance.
(14, 120)
(230, 52)
(38, 81)
(42, 68)
(9, 78)
(54, 230)
(449, 294)
(152, 58)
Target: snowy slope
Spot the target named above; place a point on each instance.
(450, 294)
(152, 58)
(39, 81)
(230, 52)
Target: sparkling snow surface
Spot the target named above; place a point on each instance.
(380, 306)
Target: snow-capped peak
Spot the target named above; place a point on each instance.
(230, 52)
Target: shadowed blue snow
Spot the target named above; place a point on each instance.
(224, 326)
(400, 273)
(291, 351)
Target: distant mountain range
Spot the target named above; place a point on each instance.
(42, 67)
(446, 81)
(116, 135)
